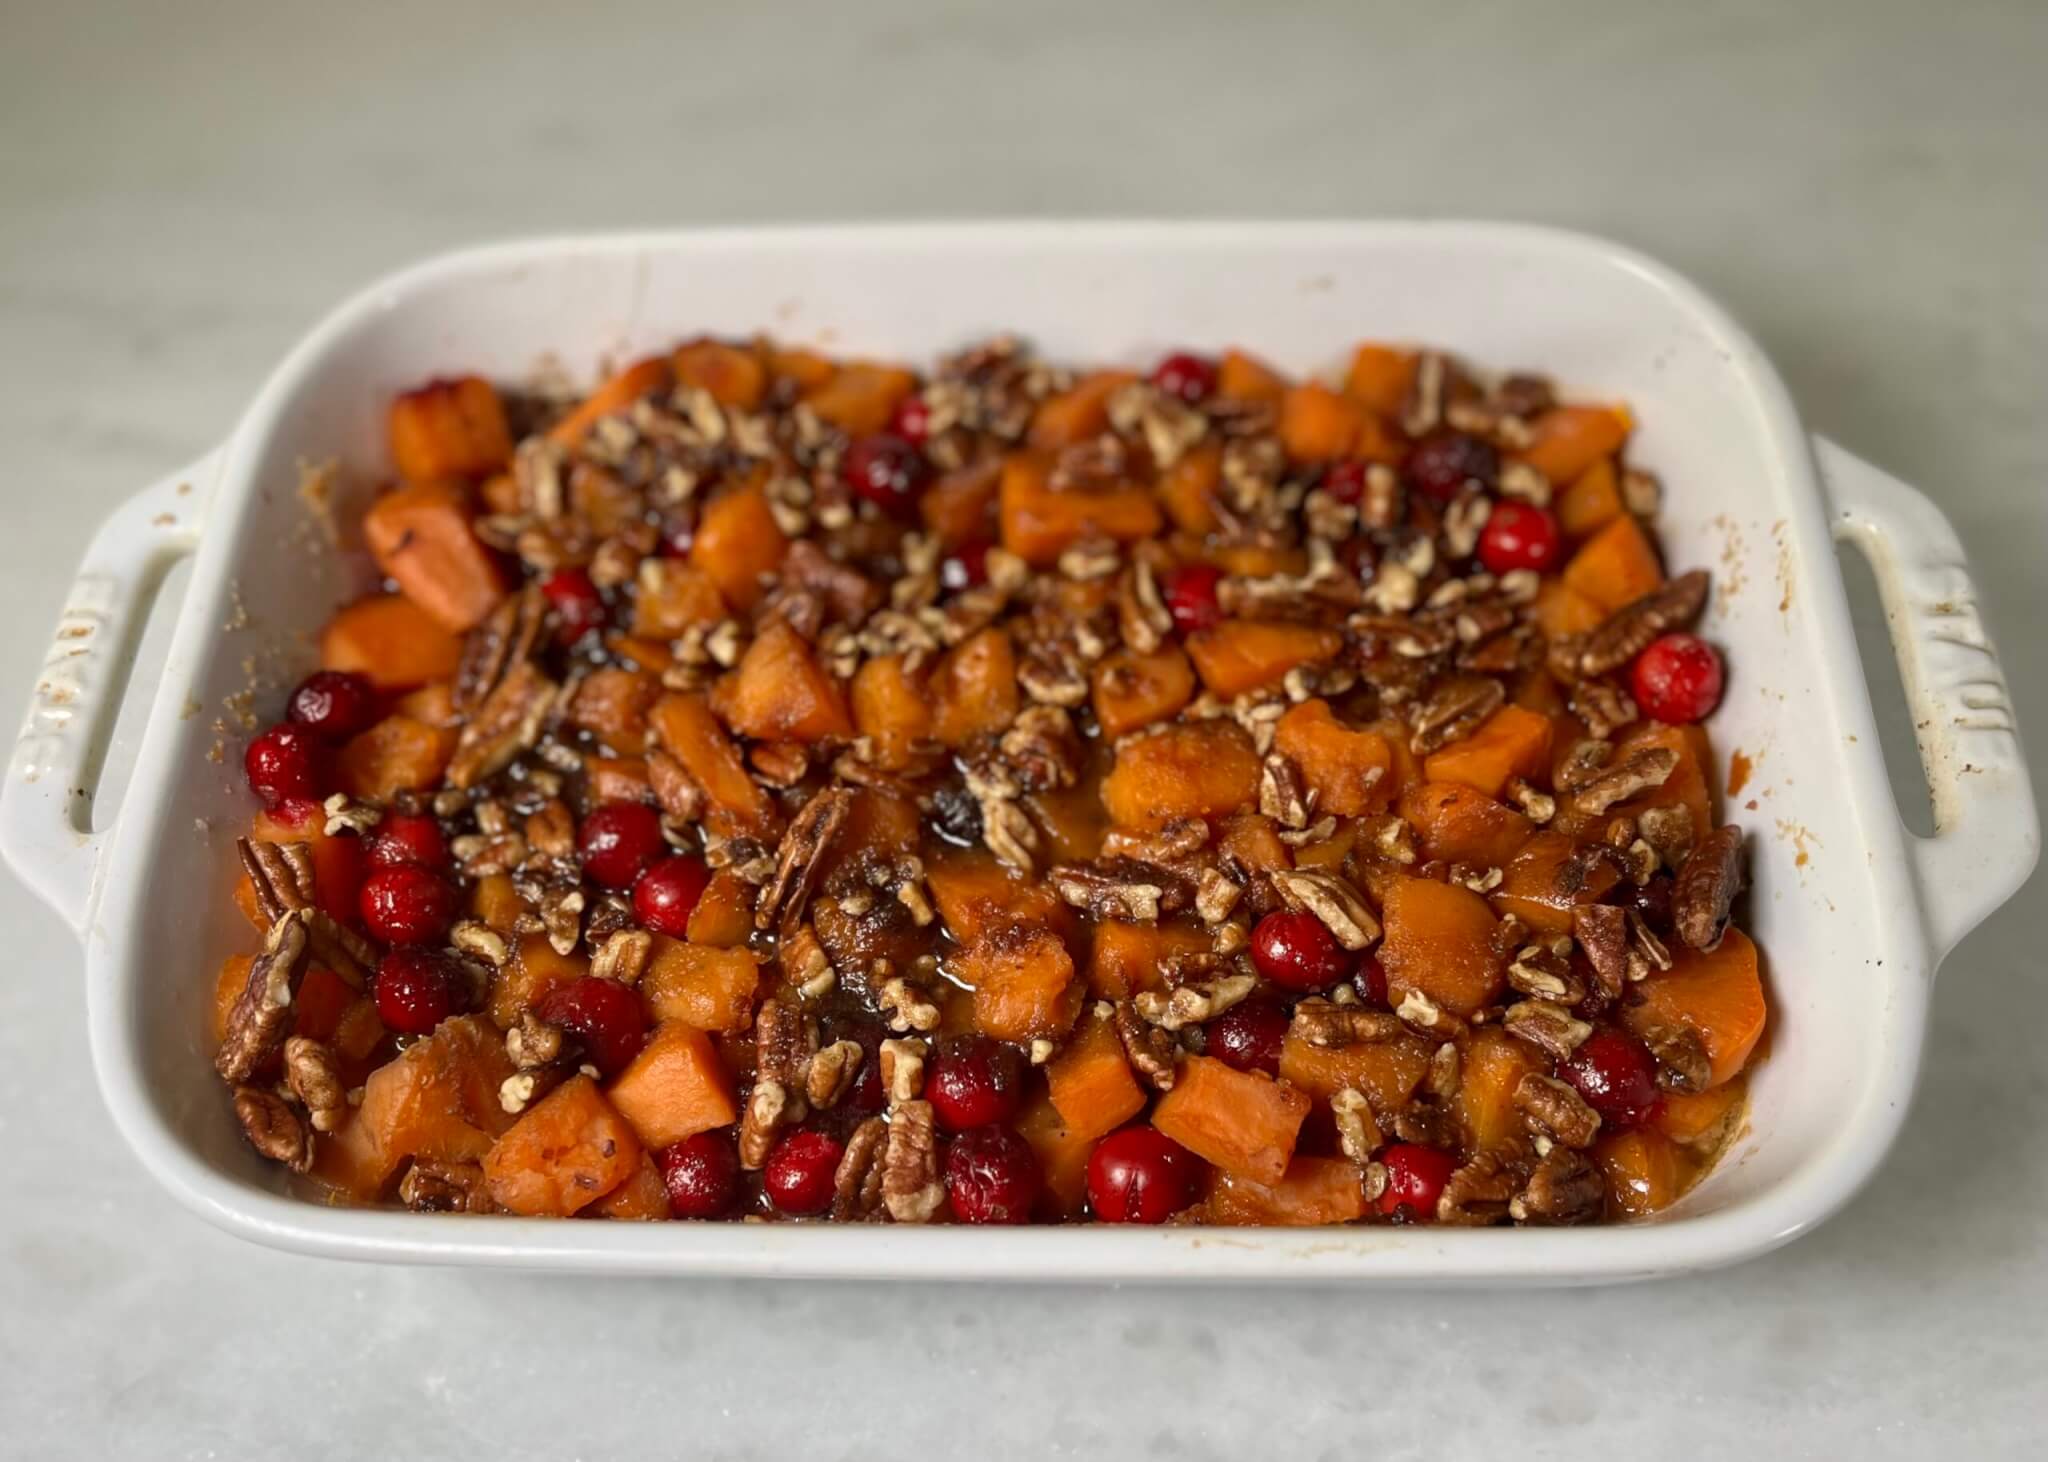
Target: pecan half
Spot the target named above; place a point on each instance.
(762, 1122)
(1550, 1107)
(902, 1069)
(273, 1128)
(911, 1189)
(262, 1014)
(1681, 1056)
(1642, 770)
(1192, 1004)
(508, 722)
(1669, 831)
(1358, 1133)
(1477, 1193)
(506, 637)
(1453, 710)
(831, 1074)
(1550, 1027)
(1625, 633)
(1121, 888)
(314, 1078)
(799, 856)
(1328, 1026)
(1283, 796)
(1546, 973)
(1332, 900)
(445, 1187)
(857, 1183)
(1564, 1189)
(675, 790)
(1706, 887)
(1151, 1050)
(1602, 932)
(280, 875)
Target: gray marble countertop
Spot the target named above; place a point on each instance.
(184, 188)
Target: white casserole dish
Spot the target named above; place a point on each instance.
(1852, 911)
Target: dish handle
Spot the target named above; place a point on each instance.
(1986, 835)
(46, 805)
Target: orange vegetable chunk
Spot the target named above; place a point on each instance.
(1039, 524)
(687, 731)
(449, 428)
(670, 595)
(739, 545)
(700, 985)
(1348, 771)
(568, 1150)
(1126, 959)
(1512, 742)
(1091, 1084)
(1387, 1072)
(861, 397)
(960, 507)
(1188, 488)
(890, 708)
(642, 1198)
(974, 688)
(390, 640)
(1242, 377)
(1079, 413)
(1313, 1190)
(977, 896)
(1493, 1066)
(676, 1087)
(1688, 1116)
(1455, 823)
(1592, 501)
(724, 916)
(536, 967)
(733, 374)
(1191, 769)
(1616, 566)
(780, 692)
(642, 378)
(421, 539)
(1440, 940)
(1316, 424)
(1718, 995)
(1380, 378)
(1244, 1122)
(1245, 654)
(1570, 439)
(437, 1100)
(1562, 611)
(397, 754)
(1641, 1169)
(1542, 884)
(1023, 983)
(1062, 1157)
(1131, 690)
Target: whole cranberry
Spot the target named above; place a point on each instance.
(1371, 981)
(1616, 1075)
(867, 1094)
(974, 1081)
(887, 471)
(604, 1014)
(1296, 950)
(913, 419)
(1140, 1175)
(668, 891)
(1445, 463)
(618, 840)
(992, 1176)
(408, 837)
(702, 1175)
(579, 607)
(287, 763)
(417, 989)
(966, 567)
(1520, 536)
(1677, 679)
(1415, 1179)
(1192, 378)
(1190, 594)
(800, 1171)
(1345, 480)
(1248, 1036)
(403, 903)
(333, 704)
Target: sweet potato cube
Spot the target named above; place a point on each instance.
(1245, 654)
(642, 1198)
(1387, 1072)
(961, 506)
(1380, 378)
(877, 821)
(1511, 742)
(738, 545)
(390, 640)
(700, 985)
(1244, 1122)
(1131, 690)
(1071, 822)
(1062, 1157)
(494, 901)
(1689, 1116)
(323, 1000)
(617, 779)
(861, 397)
(1641, 1169)
(535, 968)
(438, 1099)
(1188, 489)
(1253, 839)
(1258, 560)
(338, 859)
(1455, 823)
(1126, 959)
(349, 1163)
(733, 374)
(1592, 501)
(1562, 611)
(1347, 770)
(1440, 940)
(676, 1087)
(1039, 524)
(1690, 784)
(1195, 769)
(1078, 413)
(807, 368)
(228, 986)
(1543, 883)
(397, 754)
(1719, 995)
(1317, 424)
(449, 428)
(421, 539)
(1023, 983)
(612, 704)
(1494, 1065)
(1570, 439)
(641, 378)
(779, 691)
(569, 1150)
(1242, 377)
(1616, 566)
(685, 729)
(670, 595)
(724, 916)
(978, 897)
(1090, 1082)
(974, 688)
(1313, 1191)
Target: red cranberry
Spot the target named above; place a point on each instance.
(408, 837)
(578, 606)
(1616, 1075)
(668, 891)
(1248, 1036)
(1295, 950)
(799, 1172)
(1192, 378)
(403, 903)
(603, 1013)
(867, 1094)
(417, 989)
(618, 840)
(1677, 679)
(1652, 900)
(992, 1176)
(1415, 1179)
(333, 704)
(1520, 536)
(1190, 594)
(1345, 480)
(1371, 981)
(913, 419)
(974, 1082)
(1445, 463)
(886, 470)
(1140, 1175)
(966, 567)
(678, 534)
(287, 763)
(702, 1174)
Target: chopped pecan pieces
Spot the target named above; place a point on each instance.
(1358, 1133)
(1602, 932)
(1151, 1050)
(1122, 889)
(911, 1189)
(445, 1187)
(1541, 1023)
(1706, 887)
(1454, 710)
(799, 856)
(1327, 1025)
(315, 1081)
(1669, 831)
(1681, 1056)
(1192, 1004)
(1333, 901)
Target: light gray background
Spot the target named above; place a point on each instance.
(183, 188)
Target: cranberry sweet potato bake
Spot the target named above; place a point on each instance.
(775, 787)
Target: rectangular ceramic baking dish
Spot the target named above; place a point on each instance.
(1854, 913)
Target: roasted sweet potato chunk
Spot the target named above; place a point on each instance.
(1380, 379)
(1197, 769)
(1243, 377)
(391, 640)
(974, 689)
(1079, 413)
(642, 378)
(738, 545)
(676, 1087)
(1244, 1122)
(1641, 1169)
(735, 375)
(1317, 424)
(1570, 439)
(1455, 823)
(1024, 985)
(698, 985)
(450, 428)
(1128, 958)
(569, 1150)
(780, 692)
(670, 595)
(688, 731)
(859, 398)
(1719, 996)
(891, 709)
(1387, 1072)
(1313, 1190)
(1440, 941)
(1592, 501)
(1511, 742)
(1347, 770)
(1131, 691)
(977, 896)
(1493, 1066)
(1616, 566)
(398, 754)
(1544, 882)
(1091, 1084)
(1188, 489)
(1039, 523)
(1245, 654)
(421, 539)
